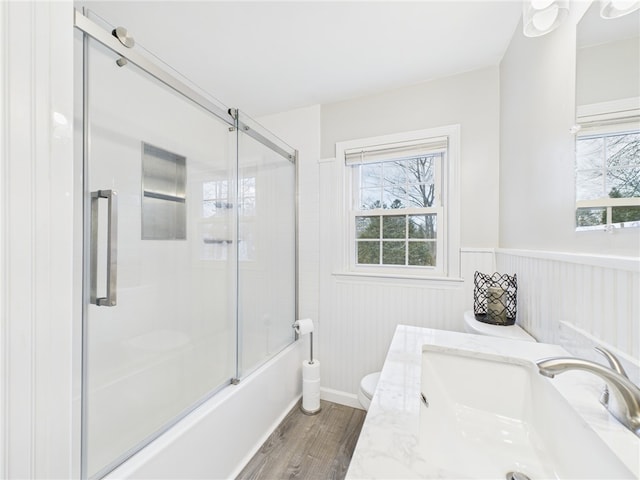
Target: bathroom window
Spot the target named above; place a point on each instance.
(608, 165)
(608, 178)
(398, 218)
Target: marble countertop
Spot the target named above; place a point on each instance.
(389, 441)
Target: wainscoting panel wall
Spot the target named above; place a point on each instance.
(358, 316)
(579, 301)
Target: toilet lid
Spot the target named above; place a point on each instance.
(368, 384)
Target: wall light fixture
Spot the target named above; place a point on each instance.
(617, 8)
(543, 16)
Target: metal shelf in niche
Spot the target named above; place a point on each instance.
(164, 196)
(164, 214)
(216, 241)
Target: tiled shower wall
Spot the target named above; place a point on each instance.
(579, 301)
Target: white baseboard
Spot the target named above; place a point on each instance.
(343, 398)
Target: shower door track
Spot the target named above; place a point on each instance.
(227, 115)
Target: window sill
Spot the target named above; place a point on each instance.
(431, 280)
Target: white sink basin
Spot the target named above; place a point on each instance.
(489, 415)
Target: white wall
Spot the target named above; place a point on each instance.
(537, 185)
(575, 288)
(358, 315)
(469, 99)
(301, 129)
(609, 71)
(38, 427)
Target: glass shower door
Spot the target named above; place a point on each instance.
(266, 245)
(160, 279)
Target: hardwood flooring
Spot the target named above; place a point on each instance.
(309, 447)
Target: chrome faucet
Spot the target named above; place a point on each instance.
(626, 395)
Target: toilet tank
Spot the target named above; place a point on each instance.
(511, 332)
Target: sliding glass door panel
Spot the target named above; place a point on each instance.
(266, 249)
(164, 243)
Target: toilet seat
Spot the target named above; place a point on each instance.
(367, 389)
(512, 332)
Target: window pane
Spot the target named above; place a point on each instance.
(370, 198)
(394, 173)
(393, 253)
(421, 195)
(422, 254)
(367, 227)
(421, 170)
(589, 217)
(625, 214)
(393, 197)
(623, 150)
(589, 153)
(422, 226)
(623, 182)
(589, 185)
(394, 226)
(368, 253)
(371, 175)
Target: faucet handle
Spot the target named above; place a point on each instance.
(613, 361)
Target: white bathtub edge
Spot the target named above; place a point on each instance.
(262, 439)
(218, 438)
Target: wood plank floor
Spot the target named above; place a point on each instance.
(310, 447)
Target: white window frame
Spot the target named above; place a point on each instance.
(448, 209)
(599, 119)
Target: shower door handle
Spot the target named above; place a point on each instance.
(112, 248)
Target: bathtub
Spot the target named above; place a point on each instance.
(218, 438)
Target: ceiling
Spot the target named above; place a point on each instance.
(266, 57)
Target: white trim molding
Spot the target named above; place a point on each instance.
(4, 60)
(450, 193)
(36, 286)
(631, 264)
(618, 111)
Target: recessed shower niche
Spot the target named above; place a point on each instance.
(163, 194)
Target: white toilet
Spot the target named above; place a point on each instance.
(367, 387)
(512, 332)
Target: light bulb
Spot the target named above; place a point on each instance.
(541, 4)
(617, 8)
(544, 19)
(622, 4)
(542, 16)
